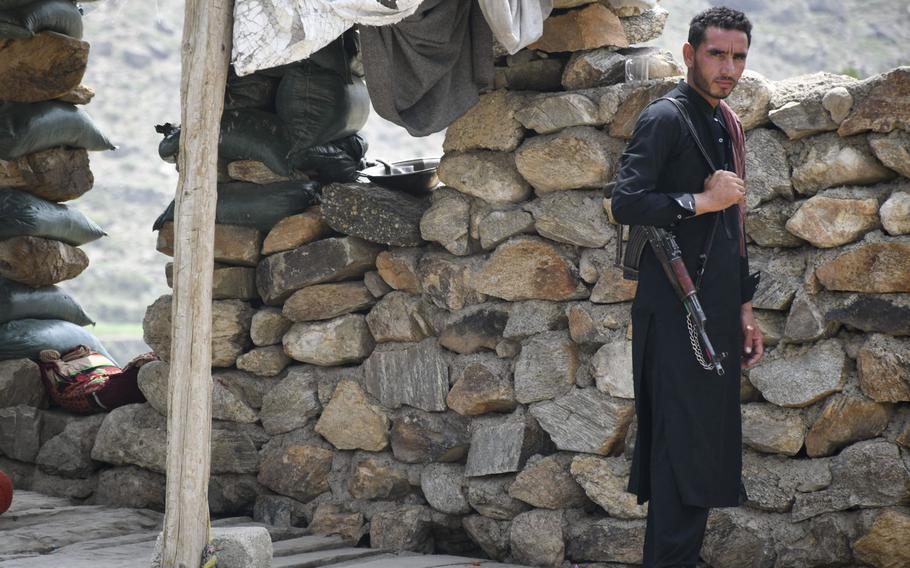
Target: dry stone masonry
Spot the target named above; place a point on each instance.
(451, 372)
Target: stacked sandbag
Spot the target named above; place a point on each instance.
(45, 137)
(44, 140)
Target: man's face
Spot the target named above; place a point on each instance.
(718, 63)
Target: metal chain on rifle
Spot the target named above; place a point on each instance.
(696, 344)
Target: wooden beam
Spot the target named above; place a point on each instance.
(205, 58)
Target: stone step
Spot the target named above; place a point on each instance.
(310, 543)
(322, 557)
(427, 561)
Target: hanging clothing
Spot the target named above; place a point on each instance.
(269, 33)
(427, 70)
(516, 23)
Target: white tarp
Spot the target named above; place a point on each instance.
(268, 33)
(516, 23)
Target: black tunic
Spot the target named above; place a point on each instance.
(700, 410)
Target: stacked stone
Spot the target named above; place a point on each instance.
(43, 58)
(453, 372)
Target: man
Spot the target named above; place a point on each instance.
(688, 446)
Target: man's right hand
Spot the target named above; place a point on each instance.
(722, 189)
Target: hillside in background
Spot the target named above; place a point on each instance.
(134, 68)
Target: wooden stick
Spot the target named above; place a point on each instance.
(206, 54)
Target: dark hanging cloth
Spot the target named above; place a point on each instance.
(427, 70)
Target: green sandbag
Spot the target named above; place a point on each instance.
(246, 134)
(250, 91)
(61, 16)
(26, 128)
(22, 302)
(26, 338)
(23, 214)
(254, 205)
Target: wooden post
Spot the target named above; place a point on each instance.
(205, 56)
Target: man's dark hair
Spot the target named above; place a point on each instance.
(718, 17)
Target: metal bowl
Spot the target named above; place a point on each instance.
(414, 176)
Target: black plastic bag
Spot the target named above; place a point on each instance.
(254, 205)
(339, 160)
(318, 105)
(246, 134)
(251, 91)
(26, 338)
(18, 301)
(61, 16)
(26, 128)
(23, 214)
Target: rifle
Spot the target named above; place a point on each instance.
(668, 253)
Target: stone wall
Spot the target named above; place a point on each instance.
(452, 372)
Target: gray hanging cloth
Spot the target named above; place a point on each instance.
(516, 23)
(427, 70)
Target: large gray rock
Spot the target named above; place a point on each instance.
(490, 535)
(268, 326)
(575, 158)
(893, 149)
(443, 486)
(226, 403)
(247, 386)
(490, 497)
(605, 481)
(855, 218)
(20, 383)
(768, 167)
(378, 477)
(806, 322)
(821, 369)
(879, 104)
(605, 66)
(828, 160)
(546, 367)
(572, 217)
(802, 119)
(20, 432)
(595, 539)
(373, 213)
(875, 265)
(264, 361)
(769, 428)
(766, 224)
(474, 328)
(846, 419)
(586, 420)
(490, 124)
(326, 260)
(526, 268)
(504, 447)
(137, 435)
(497, 225)
(423, 437)
(809, 87)
(234, 493)
(772, 482)
(895, 213)
(547, 483)
(884, 543)
(131, 487)
(412, 374)
(405, 528)
(338, 341)
(740, 537)
(231, 320)
(398, 269)
(882, 313)
(591, 324)
(69, 454)
(327, 301)
(403, 317)
(613, 369)
(449, 281)
(296, 468)
(448, 220)
(242, 547)
(781, 276)
(851, 472)
(533, 317)
(482, 384)
(751, 100)
(351, 422)
(536, 538)
(551, 113)
(491, 176)
(291, 403)
(883, 363)
(640, 27)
